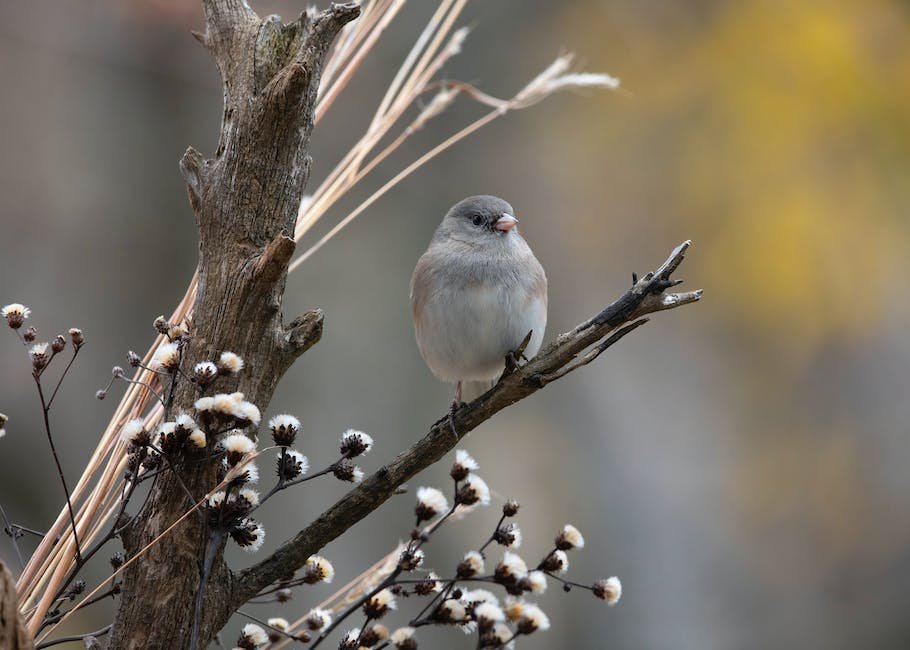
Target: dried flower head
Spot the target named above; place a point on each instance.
(510, 569)
(411, 559)
(318, 619)
(351, 640)
(229, 363)
(134, 433)
(532, 619)
(569, 538)
(472, 491)
(355, 443)
(464, 464)
(204, 373)
(609, 589)
(374, 635)
(488, 614)
(555, 562)
(510, 508)
(39, 356)
(284, 429)
(15, 314)
(474, 597)
(379, 603)
(318, 569)
(277, 625)
(77, 337)
(451, 611)
(292, 464)
(403, 638)
(58, 344)
(347, 471)
(236, 445)
(430, 502)
(166, 357)
(29, 334)
(535, 582)
(470, 566)
(429, 585)
(508, 535)
(198, 439)
(248, 534)
(252, 636)
(161, 325)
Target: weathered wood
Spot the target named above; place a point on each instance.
(13, 635)
(245, 200)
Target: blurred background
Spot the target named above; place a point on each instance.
(741, 464)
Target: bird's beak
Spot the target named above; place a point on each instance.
(506, 222)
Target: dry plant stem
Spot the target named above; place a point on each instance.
(76, 637)
(648, 295)
(11, 530)
(45, 409)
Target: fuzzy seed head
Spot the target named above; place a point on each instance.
(292, 465)
(284, 429)
(470, 566)
(39, 355)
(451, 611)
(15, 314)
(236, 446)
(609, 589)
(229, 363)
(535, 582)
(77, 337)
(204, 373)
(318, 619)
(487, 614)
(166, 357)
(403, 638)
(511, 568)
(355, 443)
(318, 569)
(252, 636)
(430, 502)
(411, 559)
(473, 490)
(249, 535)
(133, 432)
(379, 604)
(556, 562)
(347, 471)
(198, 439)
(58, 344)
(569, 538)
(532, 619)
(464, 464)
(508, 535)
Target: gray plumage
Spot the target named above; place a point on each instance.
(476, 293)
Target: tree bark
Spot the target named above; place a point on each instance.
(245, 200)
(13, 635)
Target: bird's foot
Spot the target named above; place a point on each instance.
(514, 357)
(455, 405)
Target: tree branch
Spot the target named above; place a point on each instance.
(648, 295)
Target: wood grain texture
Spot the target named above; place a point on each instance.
(245, 200)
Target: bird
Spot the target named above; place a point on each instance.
(478, 295)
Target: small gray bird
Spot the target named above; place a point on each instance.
(477, 293)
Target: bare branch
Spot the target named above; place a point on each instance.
(558, 359)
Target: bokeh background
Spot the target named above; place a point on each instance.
(741, 463)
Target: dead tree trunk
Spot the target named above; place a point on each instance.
(245, 200)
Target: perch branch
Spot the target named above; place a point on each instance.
(647, 295)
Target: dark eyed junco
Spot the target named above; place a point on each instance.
(476, 294)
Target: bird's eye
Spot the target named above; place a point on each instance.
(477, 220)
